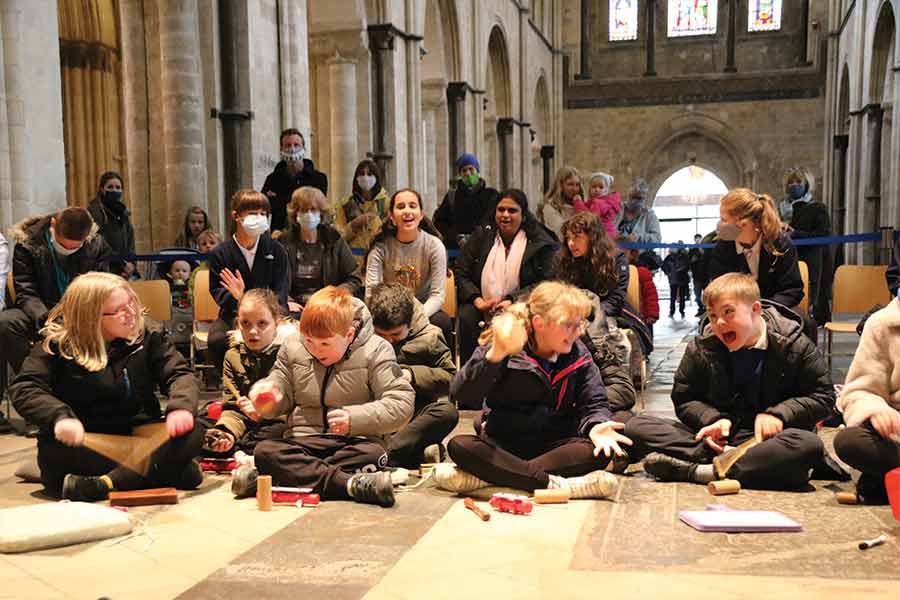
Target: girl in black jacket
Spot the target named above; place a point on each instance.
(97, 371)
(546, 421)
(533, 265)
(750, 241)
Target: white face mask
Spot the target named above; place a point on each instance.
(309, 220)
(255, 225)
(62, 250)
(294, 156)
(365, 182)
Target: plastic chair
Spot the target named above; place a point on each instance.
(856, 289)
(156, 297)
(205, 312)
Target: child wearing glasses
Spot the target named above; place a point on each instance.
(546, 422)
(97, 371)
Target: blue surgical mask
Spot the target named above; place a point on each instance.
(309, 220)
(728, 232)
(796, 190)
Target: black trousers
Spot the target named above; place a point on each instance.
(17, 334)
(782, 462)
(677, 293)
(864, 449)
(468, 318)
(321, 462)
(443, 321)
(217, 342)
(430, 424)
(486, 459)
(167, 463)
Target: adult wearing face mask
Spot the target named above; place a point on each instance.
(809, 218)
(317, 254)
(294, 171)
(360, 217)
(636, 222)
(467, 206)
(250, 259)
(51, 251)
(114, 221)
(749, 240)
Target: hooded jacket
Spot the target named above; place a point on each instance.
(367, 382)
(464, 209)
(538, 262)
(361, 239)
(779, 275)
(338, 265)
(50, 387)
(873, 380)
(242, 368)
(426, 354)
(527, 408)
(795, 382)
(282, 184)
(34, 275)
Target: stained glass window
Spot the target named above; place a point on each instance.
(692, 17)
(623, 20)
(764, 15)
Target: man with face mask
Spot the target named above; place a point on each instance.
(467, 206)
(636, 222)
(51, 251)
(294, 171)
(250, 259)
(114, 220)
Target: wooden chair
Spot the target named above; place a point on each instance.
(803, 307)
(10, 289)
(155, 297)
(450, 307)
(856, 289)
(205, 312)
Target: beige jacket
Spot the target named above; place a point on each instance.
(873, 380)
(367, 382)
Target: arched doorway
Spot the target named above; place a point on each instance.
(90, 59)
(687, 203)
(497, 162)
(542, 135)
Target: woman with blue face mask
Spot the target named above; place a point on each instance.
(750, 240)
(114, 220)
(317, 254)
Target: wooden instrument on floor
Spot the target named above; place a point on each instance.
(167, 495)
(130, 451)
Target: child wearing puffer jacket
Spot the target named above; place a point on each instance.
(603, 202)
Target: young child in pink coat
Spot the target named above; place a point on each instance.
(603, 202)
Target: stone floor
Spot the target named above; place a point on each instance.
(211, 546)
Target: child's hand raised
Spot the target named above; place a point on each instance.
(509, 337)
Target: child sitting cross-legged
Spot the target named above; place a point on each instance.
(546, 422)
(426, 363)
(255, 346)
(344, 394)
(751, 373)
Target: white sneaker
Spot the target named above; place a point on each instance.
(598, 484)
(433, 454)
(448, 476)
(399, 476)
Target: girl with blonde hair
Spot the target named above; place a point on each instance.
(559, 203)
(546, 421)
(749, 239)
(97, 371)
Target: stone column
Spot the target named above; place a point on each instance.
(731, 37)
(342, 118)
(839, 200)
(505, 127)
(36, 173)
(294, 67)
(547, 164)
(183, 115)
(872, 187)
(429, 185)
(651, 39)
(381, 44)
(456, 99)
(584, 69)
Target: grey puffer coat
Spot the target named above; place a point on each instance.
(367, 382)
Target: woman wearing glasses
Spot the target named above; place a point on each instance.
(546, 422)
(97, 371)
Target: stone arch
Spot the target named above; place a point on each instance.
(541, 126)
(883, 49)
(881, 85)
(91, 75)
(497, 102)
(701, 140)
(842, 123)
